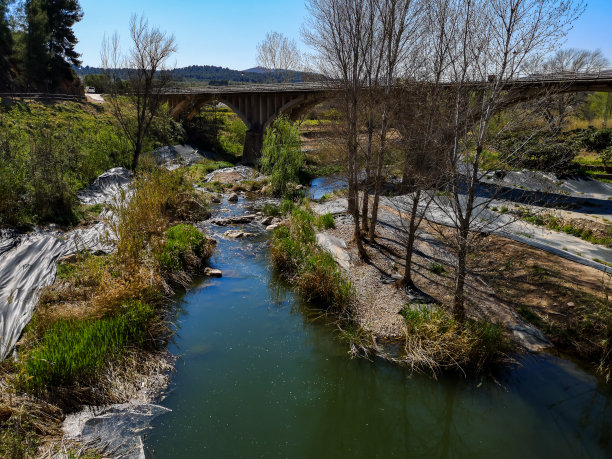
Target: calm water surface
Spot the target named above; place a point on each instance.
(258, 377)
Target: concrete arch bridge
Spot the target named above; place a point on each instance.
(258, 105)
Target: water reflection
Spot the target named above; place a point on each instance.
(262, 376)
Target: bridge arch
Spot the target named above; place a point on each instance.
(256, 108)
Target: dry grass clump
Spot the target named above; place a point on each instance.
(436, 342)
(142, 215)
(23, 420)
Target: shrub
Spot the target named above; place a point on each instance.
(156, 199)
(282, 156)
(71, 351)
(312, 270)
(538, 151)
(437, 268)
(48, 153)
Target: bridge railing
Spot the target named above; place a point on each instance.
(590, 74)
(258, 87)
(41, 96)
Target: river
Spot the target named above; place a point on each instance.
(260, 375)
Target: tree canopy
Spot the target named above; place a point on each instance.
(37, 41)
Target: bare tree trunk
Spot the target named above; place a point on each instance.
(378, 178)
(368, 177)
(459, 300)
(411, 239)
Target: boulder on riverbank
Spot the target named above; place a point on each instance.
(236, 174)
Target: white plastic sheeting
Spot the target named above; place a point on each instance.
(114, 431)
(28, 262)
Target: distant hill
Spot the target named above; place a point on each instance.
(210, 74)
(257, 70)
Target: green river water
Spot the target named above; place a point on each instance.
(259, 377)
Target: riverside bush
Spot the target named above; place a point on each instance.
(47, 153)
(157, 199)
(311, 269)
(181, 241)
(538, 151)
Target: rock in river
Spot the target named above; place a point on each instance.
(233, 197)
(235, 234)
(211, 272)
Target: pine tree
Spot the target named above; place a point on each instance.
(50, 42)
(6, 44)
(36, 59)
(61, 16)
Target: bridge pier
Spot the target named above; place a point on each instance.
(253, 142)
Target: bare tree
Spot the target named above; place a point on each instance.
(337, 30)
(138, 77)
(398, 27)
(279, 55)
(492, 41)
(557, 108)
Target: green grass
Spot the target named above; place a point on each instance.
(205, 167)
(181, 240)
(17, 439)
(71, 351)
(325, 221)
(437, 268)
(271, 210)
(312, 270)
(553, 223)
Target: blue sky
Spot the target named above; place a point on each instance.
(225, 33)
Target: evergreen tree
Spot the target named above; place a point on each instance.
(36, 59)
(6, 44)
(50, 42)
(61, 16)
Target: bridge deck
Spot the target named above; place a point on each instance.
(601, 77)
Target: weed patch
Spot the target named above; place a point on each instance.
(312, 270)
(325, 221)
(71, 351)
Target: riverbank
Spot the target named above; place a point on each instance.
(98, 333)
(544, 302)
